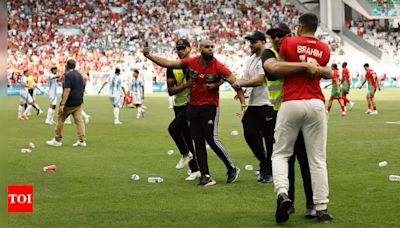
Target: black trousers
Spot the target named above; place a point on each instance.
(34, 106)
(300, 152)
(204, 127)
(258, 124)
(180, 133)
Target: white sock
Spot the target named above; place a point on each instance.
(28, 110)
(116, 114)
(48, 117)
(84, 114)
(20, 110)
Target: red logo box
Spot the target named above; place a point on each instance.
(20, 198)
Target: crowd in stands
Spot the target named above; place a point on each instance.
(386, 38)
(102, 35)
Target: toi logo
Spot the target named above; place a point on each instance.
(20, 198)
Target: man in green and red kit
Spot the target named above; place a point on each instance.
(203, 112)
(336, 93)
(346, 86)
(370, 76)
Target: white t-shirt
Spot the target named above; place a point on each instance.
(258, 96)
(115, 84)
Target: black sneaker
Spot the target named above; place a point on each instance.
(264, 177)
(283, 203)
(311, 213)
(267, 179)
(324, 216)
(232, 175)
(206, 180)
(291, 210)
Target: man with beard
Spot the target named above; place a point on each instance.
(203, 111)
(258, 119)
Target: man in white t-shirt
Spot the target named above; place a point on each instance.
(138, 93)
(257, 120)
(115, 88)
(52, 81)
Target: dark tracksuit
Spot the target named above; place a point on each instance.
(204, 127)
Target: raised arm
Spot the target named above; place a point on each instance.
(161, 61)
(102, 86)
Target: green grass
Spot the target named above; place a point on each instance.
(92, 186)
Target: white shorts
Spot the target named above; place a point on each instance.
(137, 100)
(53, 100)
(25, 97)
(116, 101)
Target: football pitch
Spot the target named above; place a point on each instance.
(92, 185)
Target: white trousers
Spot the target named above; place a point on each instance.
(310, 117)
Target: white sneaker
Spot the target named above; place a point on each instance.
(375, 112)
(184, 161)
(351, 105)
(117, 122)
(87, 119)
(193, 176)
(40, 112)
(53, 142)
(49, 122)
(343, 113)
(368, 111)
(79, 143)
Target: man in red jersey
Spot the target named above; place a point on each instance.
(336, 93)
(302, 109)
(203, 112)
(346, 85)
(370, 76)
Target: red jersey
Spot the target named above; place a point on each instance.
(334, 77)
(371, 77)
(303, 49)
(346, 74)
(199, 95)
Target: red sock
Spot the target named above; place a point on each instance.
(343, 107)
(369, 106)
(346, 101)
(374, 107)
(329, 107)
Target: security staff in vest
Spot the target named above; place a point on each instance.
(277, 34)
(258, 121)
(179, 128)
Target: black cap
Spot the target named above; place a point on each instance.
(256, 35)
(279, 28)
(182, 43)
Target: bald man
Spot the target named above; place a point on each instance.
(205, 73)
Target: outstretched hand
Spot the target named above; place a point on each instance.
(146, 51)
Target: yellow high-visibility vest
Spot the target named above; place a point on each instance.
(31, 82)
(275, 88)
(182, 98)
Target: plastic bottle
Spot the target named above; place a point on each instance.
(155, 180)
(24, 150)
(394, 178)
(383, 164)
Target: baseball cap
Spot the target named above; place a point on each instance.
(256, 35)
(182, 43)
(279, 28)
